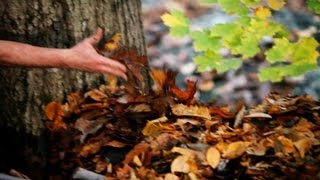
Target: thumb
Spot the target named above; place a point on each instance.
(96, 37)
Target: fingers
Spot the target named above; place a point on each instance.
(114, 71)
(96, 37)
(115, 67)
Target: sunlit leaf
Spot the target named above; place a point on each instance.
(235, 149)
(196, 111)
(202, 41)
(213, 157)
(262, 12)
(180, 164)
(303, 146)
(211, 60)
(231, 6)
(305, 51)
(281, 51)
(276, 4)
(248, 48)
(251, 3)
(178, 23)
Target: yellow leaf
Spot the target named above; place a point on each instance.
(235, 149)
(173, 20)
(112, 44)
(180, 164)
(183, 151)
(170, 176)
(303, 146)
(137, 160)
(151, 129)
(213, 157)
(262, 12)
(276, 4)
(196, 111)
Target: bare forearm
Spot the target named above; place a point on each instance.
(83, 56)
(14, 53)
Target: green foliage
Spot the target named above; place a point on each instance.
(243, 38)
(211, 60)
(208, 1)
(202, 41)
(314, 5)
(178, 23)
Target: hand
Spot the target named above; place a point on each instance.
(83, 56)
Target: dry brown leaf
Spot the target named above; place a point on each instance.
(100, 166)
(213, 157)
(159, 77)
(170, 176)
(287, 145)
(303, 146)
(115, 143)
(124, 172)
(142, 150)
(55, 113)
(74, 102)
(222, 112)
(184, 151)
(239, 117)
(194, 111)
(258, 115)
(256, 149)
(221, 146)
(87, 127)
(186, 95)
(96, 95)
(111, 87)
(192, 176)
(113, 42)
(151, 129)
(180, 164)
(235, 149)
(143, 107)
(53, 110)
(136, 160)
(91, 148)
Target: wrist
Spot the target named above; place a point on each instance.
(65, 57)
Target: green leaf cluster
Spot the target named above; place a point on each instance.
(243, 38)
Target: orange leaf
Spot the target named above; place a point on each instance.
(142, 149)
(186, 95)
(53, 110)
(90, 148)
(159, 77)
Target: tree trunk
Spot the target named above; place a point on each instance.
(24, 92)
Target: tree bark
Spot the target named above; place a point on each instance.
(24, 92)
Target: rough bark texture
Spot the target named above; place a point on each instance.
(56, 23)
(24, 92)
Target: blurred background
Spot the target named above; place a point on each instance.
(233, 87)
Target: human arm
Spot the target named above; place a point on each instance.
(83, 56)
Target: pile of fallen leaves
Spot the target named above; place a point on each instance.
(121, 132)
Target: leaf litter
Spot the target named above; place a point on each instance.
(121, 132)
